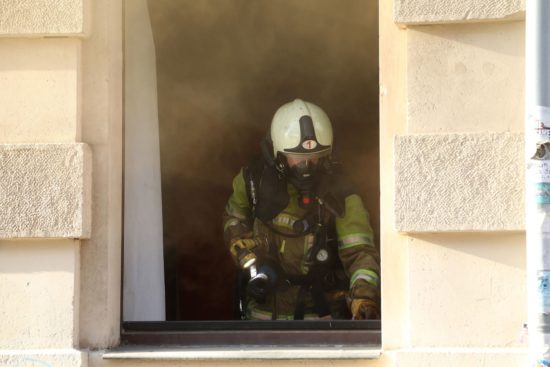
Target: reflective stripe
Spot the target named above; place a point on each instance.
(368, 275)
(310, 239)
(258, 315)
(282, 250)
(231, 222)
(265, 315)
(284, 220)
(308, 244)
(311, 317)
(234, 212)
(355, 239)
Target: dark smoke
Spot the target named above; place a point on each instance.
(224, 67)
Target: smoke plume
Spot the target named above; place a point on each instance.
(224, 67)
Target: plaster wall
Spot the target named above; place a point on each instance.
(33, 18)
(453, 11)
(410, 265)
(467, 290)
(464, 84)
(39, 288)
(393, 248)
(46, 190)
(465, 78)
(40, 93)
(459, 182)
(458, 357)
(45, 186)
(102, 130)
(44, 357)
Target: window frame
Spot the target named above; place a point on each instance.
(365, 334)
(310, 333)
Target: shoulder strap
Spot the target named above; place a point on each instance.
(267, 191)
(252, 176)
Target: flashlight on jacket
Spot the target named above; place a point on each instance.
(245, 257)
(247, 254)
(262, 281)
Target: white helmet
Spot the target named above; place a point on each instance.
(301, 127)
(301, 133)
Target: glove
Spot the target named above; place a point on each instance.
(241, 251)
(364, 309)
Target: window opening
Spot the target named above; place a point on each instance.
(221, 70)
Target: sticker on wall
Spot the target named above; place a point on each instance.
(538, 171)
(543, 291)
(542, 192)
(538, 124)
(542, 360)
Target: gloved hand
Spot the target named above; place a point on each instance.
(364, 309)
(242, 250)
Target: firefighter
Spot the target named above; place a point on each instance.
(298, 231)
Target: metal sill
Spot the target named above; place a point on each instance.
(284, 334)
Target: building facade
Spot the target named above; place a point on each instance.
(451, 158)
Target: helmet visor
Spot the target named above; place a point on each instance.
(305, 166)
(304, 160)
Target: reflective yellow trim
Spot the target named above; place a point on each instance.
(230, 222)
(309, 239)
(355, 239)
(265, 315)
(258, 315)
(368, 275)
(282, 250)
(234, 212)
(285, 221)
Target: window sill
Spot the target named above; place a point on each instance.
(251, 352)
(236, 334)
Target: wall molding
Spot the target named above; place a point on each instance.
(39, 18)
(459, 182)
(45, 191)
(416, 12)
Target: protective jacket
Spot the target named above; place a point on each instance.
(273, 212)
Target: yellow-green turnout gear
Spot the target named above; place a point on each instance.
(264, 205)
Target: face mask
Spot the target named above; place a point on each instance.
(304, 169)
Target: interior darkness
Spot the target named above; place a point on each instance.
(224, 67)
